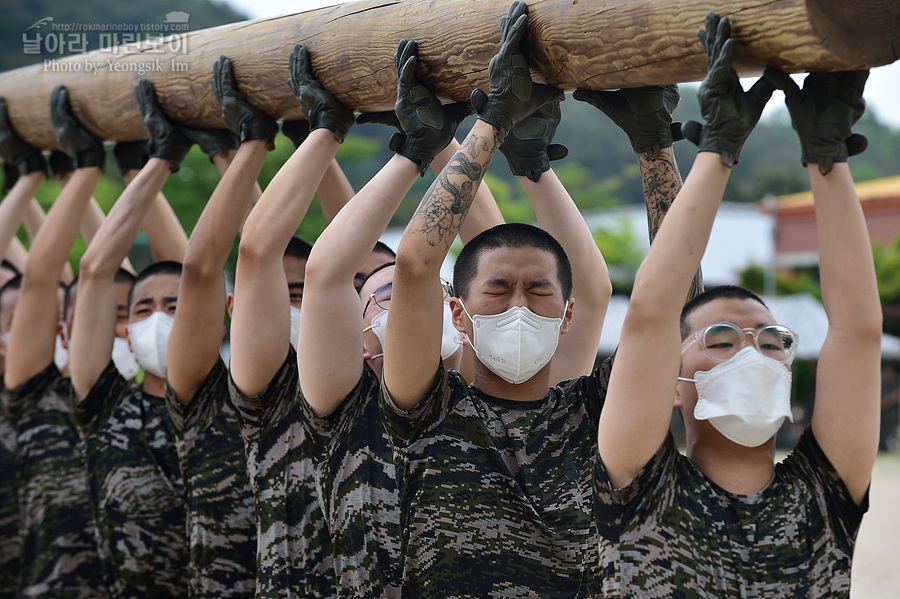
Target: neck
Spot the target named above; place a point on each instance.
(153, 385)
(735, 468)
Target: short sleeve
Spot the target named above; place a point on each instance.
(96, 408)
(405, 426)
(627, 508)
(810, 464)
(258, 412)
(195, 416)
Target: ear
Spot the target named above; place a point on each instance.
(567, 317)
(677, 403)
(459, 317)
(229, 304)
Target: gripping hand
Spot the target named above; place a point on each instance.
(527, 148)
(241, 117)
(643, 113)
(427, 125)
(166, 139)
(823, 113)
(131, 155)
(73, 139)
(513, 96)
(296, 131)
(730, 114)
(322, 109)
(14, 150)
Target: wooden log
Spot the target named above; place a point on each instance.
(589, 44)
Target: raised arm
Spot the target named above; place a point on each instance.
(638, 408)
(197, 332)
(848, 385)
(332, 309)
(29, 163)
(529, 149)
(260, 324)
(413, 340)
(93, 328)
(37, 312)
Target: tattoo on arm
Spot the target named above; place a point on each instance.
(662, 182)
(441, 212)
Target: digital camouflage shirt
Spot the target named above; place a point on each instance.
(137, 491)
(10, 541)
(358, 489)
(672, 532)
(294, 546)
(496, 495)
(221, 515)
(59, 550)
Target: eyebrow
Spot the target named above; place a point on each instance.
(295, 285)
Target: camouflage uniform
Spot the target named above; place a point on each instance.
(294, 546)
(674, 533)
(496, 495)
(59, 549)
(137, 491)
(10, 541)
(357, 485)
(221, 516)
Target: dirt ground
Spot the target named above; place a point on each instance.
(876, 562)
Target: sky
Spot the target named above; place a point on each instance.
(882, 87)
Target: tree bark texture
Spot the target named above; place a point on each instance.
(588, 44)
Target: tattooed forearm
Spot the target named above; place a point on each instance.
(441, 213)
(662, 182)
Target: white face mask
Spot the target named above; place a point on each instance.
(123, 358)
(746, 398)
(450, 337)
(149, 340)
(4, 339)
(515, 344)
(295, 326)
(378, 326)
(60, 353)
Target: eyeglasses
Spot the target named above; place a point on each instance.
(722, 340)
(382, 295)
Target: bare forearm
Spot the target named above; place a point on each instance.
(113, 241)
(849, 286)
(14, 205)
(662, 182)
(334, 191)
(440, 215)
(165, 235)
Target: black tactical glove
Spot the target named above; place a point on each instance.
(730, 114)
(73, 139)
(823, 112)
(241, 117)
(643, 113)
(10, 175)
(382, 118)
(61, 164)
(428, 127)
(513, 96)
(528, 149)
(214, 141)
(131, 155)
(296, 131)
(166, 139)
(14, 150)
(322, 110)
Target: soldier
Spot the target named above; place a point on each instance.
(59, 551)
(136, 482)
(295, 548)
(494, 477)
(350, 448)
(725, 520)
